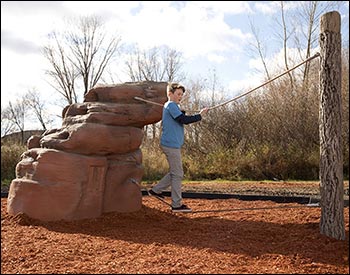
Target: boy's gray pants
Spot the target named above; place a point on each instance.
(174, 177)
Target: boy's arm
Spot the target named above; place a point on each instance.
(183, 119)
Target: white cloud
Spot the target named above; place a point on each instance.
(107, 9)
(23, 23)
(275, 65)
(193, 28)
(216, 58)
(227, 7)
(266, 7)
(240, 86)
(27, 69)
(274, 7)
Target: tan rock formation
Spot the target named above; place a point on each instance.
(92, 164)
(54, 185)
(94, 139)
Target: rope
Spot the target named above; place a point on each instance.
(244, 94)
(148, 101)
(247, 209)
(267, 82)
(240, 209)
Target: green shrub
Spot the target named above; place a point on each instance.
(10, 156)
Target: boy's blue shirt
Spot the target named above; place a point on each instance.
(172, 131)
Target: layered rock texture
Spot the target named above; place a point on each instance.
(93, 163)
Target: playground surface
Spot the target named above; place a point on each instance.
(229, 236)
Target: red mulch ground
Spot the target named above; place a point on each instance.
(274, 238)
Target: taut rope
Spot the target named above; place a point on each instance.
(244, 94)
(148, 101)
(267, 82)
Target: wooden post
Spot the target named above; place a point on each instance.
(330, 112)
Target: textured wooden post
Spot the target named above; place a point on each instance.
(331, 154)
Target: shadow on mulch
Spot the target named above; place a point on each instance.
(239, 236)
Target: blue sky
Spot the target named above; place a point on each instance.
(212, 36)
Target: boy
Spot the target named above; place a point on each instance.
(171, 141)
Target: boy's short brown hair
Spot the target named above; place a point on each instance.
(173, 86)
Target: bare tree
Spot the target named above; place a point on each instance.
(33, 101)
(192, 101)
(285, 38)
(308, 14)
(63, 72)
(148, 66)
(172, 62)
(83, 53)
(258, 47)
(16, 115)
(7, 125)
(195, 100)
(156, 64)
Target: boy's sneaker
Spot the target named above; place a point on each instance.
(152, 193)
(183, 208)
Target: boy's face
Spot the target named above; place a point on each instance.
(176, 96)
